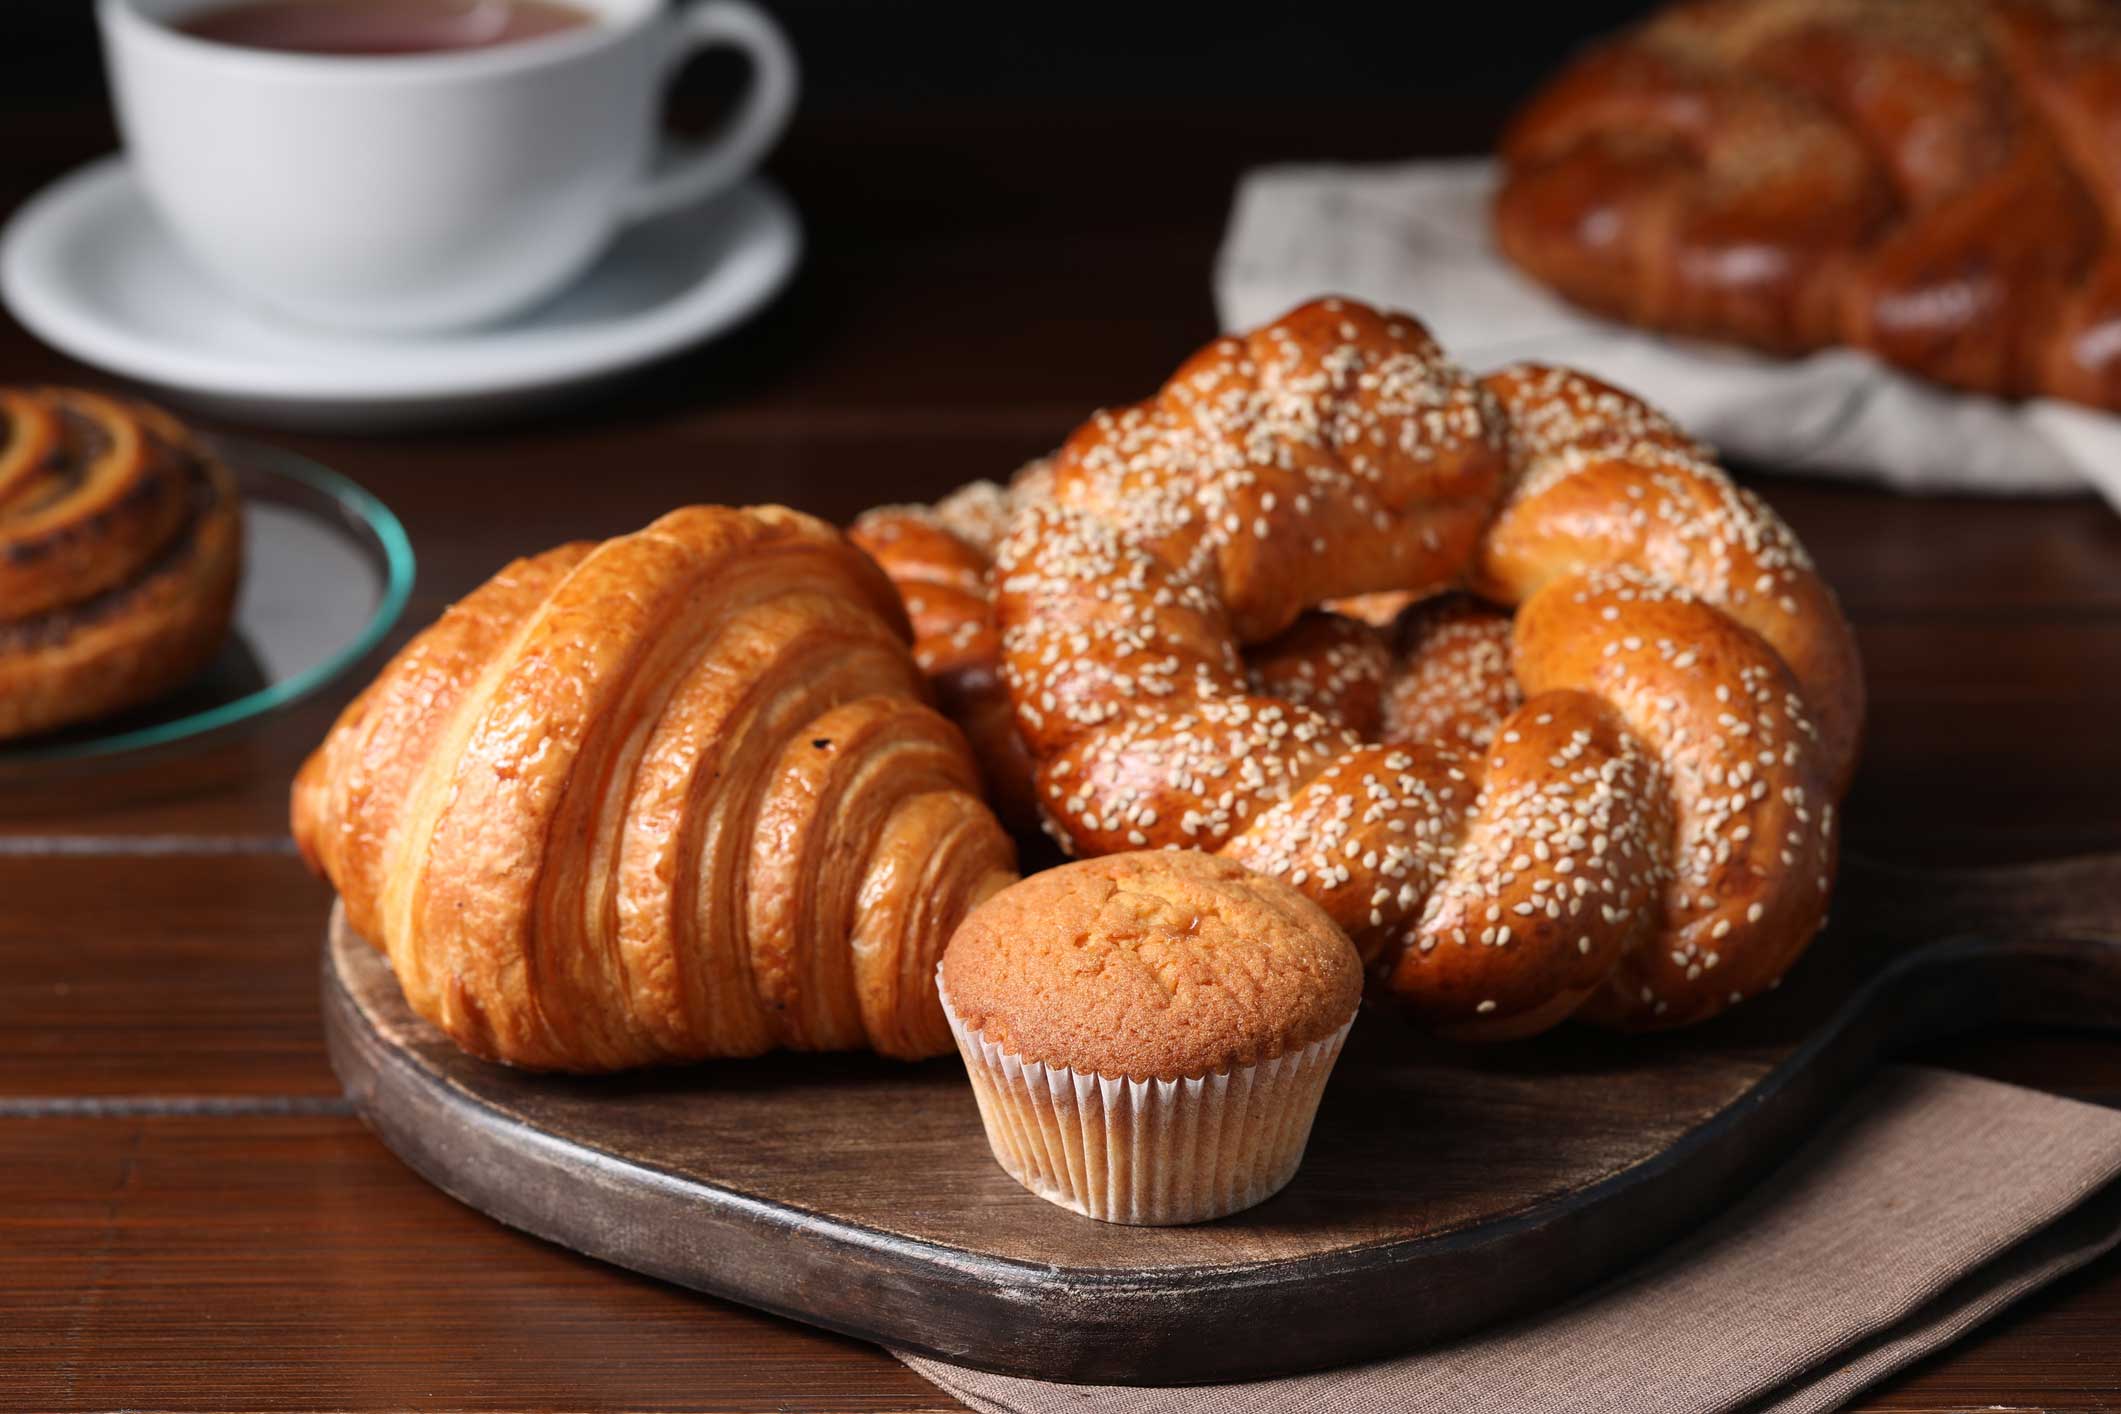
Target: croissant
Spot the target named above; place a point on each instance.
(1936, 181)
(120, 548)
(1618, 803)
(672, 796)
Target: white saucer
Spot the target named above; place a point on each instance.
(87, 267)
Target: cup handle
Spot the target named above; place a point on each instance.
(692, 172)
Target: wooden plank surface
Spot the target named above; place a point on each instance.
(977, 279)
(159, 976)
(289, 1263)
(1975, 688)
(269, 1262)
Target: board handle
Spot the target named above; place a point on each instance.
(1905, 903)
(2007, 945)
(1978, 982)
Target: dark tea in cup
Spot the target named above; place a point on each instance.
(380, 26)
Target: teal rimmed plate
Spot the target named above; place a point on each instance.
(326, 573)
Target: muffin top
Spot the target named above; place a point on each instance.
(1156, 965)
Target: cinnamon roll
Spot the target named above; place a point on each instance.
(120, 548)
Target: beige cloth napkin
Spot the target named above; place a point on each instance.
(1416, 236)
(1932, 1201)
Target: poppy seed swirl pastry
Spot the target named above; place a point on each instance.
(677, 795)
(1602, 783)
(120, 549)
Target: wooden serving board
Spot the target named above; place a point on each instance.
(1445, 1187)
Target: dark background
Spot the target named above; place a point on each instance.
(950, 137)
(872, 54)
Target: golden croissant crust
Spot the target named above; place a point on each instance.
(673, 796)
(120, 549)
(1618, 802)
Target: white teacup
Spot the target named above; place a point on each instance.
(427, 191)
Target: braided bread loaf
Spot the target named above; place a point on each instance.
(1937, 181)
(1620, 803)
(938, 557)
(941, 559)
(672, 796)
(120, 547)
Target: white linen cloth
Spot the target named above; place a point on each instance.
(1415, 236)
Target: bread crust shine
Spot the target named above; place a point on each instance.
(1646, 835)
(1616, 803)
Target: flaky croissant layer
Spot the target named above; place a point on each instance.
(673, 796)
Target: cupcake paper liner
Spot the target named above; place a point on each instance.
(1148, 1152)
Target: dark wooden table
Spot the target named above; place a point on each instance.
(189, 1217)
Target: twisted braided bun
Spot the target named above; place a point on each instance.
(941, 559)
(1619, 804)
(1933, 180)
(120, 548)
(673, 796)
(938, 557)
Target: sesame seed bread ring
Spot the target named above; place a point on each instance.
(1750, 859)
(1337, 666)
(1449, 679)
(1437, 670)
(940, 557)
(1338, 660)
(1640, 827)
(1599, 478)
(1545, 887)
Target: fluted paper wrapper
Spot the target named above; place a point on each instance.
(1149, 1152)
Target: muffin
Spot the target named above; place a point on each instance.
(1148, 1034)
